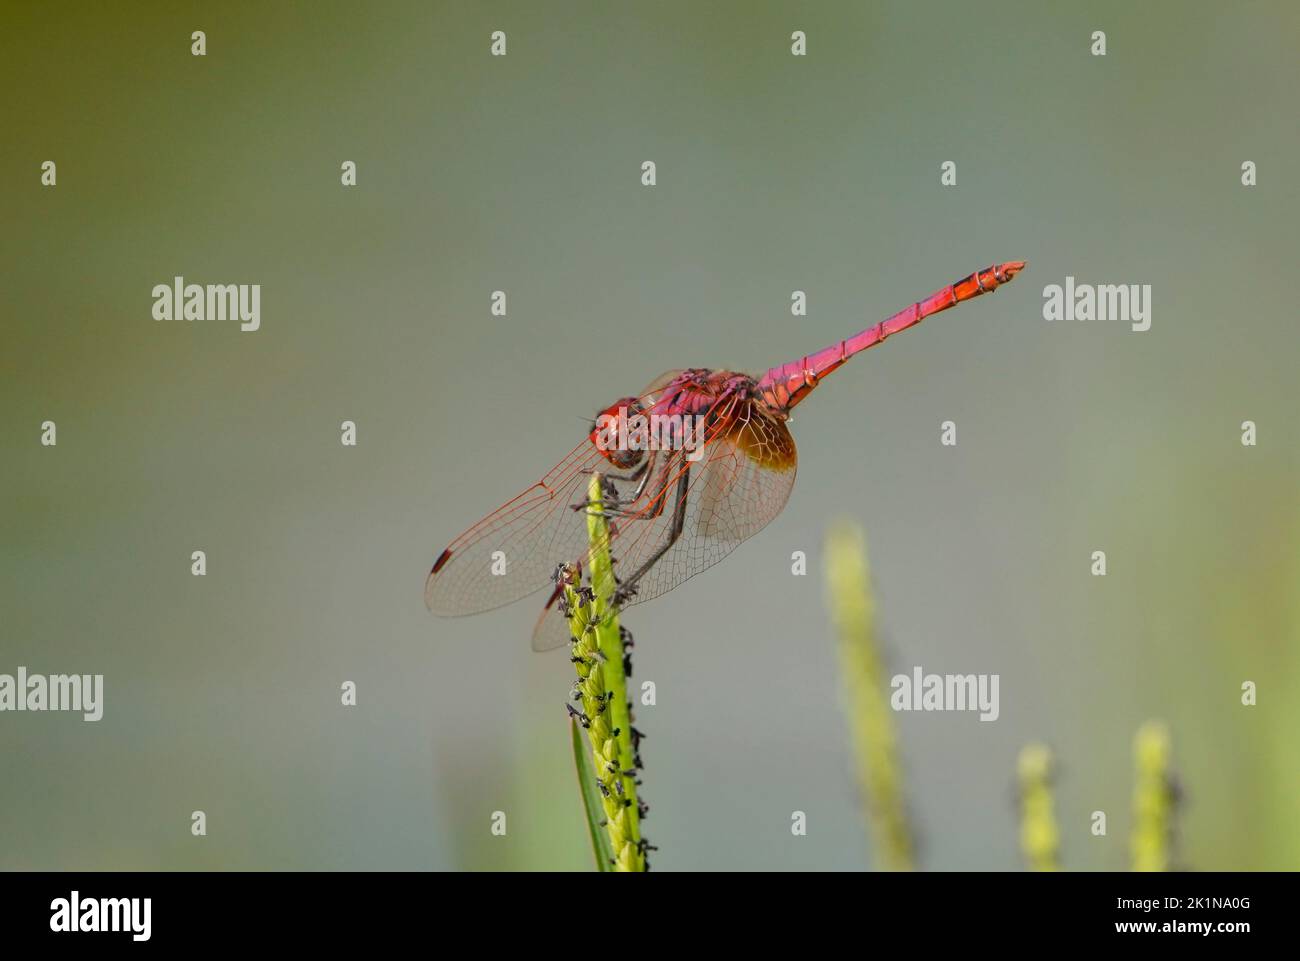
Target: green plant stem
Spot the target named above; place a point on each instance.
(598, 661)
(875, 741)
(1153, 798)
(592, 805)
(1039, 837)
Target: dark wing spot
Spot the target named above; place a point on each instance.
(443, 558)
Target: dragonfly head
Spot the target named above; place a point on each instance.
(610, 433)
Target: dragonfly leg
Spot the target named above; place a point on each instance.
(612, 500)
(641, 475)
(611, 476)
(635, 475)
(627, 587)
(608, 513)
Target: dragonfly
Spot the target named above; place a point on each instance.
(677, 501)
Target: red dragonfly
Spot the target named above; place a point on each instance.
(675, 508)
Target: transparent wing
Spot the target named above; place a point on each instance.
(513, 551)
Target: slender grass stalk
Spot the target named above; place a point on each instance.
(1154, 798)
(1040, 839)
(875, 740)
(592, 805)
(602, 687)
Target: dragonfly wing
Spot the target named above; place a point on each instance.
(513, 551)
(552, 627)
(653, 388)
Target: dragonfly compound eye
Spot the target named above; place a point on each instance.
(615, 433)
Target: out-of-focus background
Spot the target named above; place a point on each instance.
(522, 173)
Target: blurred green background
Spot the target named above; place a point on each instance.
(522, 173)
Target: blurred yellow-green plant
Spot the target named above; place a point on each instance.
(602, 689)
(1154, 798)
(1155, 801)
(1040, 839)
(871, 723)
(875, 741)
